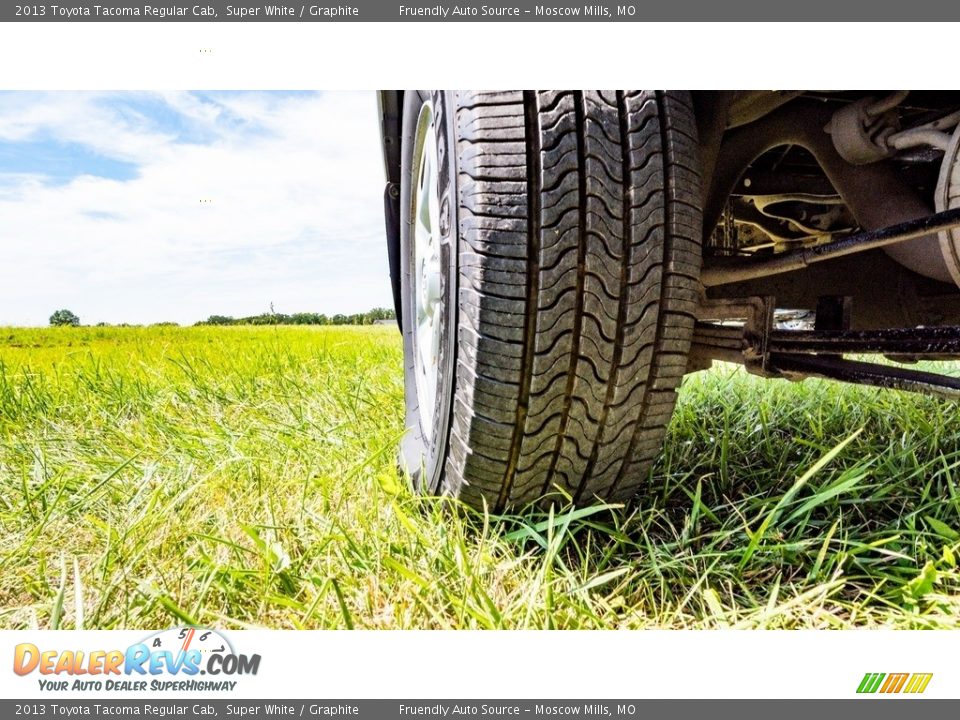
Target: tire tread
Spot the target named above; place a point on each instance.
(579, 221)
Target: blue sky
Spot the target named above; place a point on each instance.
(148, 207)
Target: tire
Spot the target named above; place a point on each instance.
(569, 282)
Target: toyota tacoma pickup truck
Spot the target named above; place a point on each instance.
(560, 259)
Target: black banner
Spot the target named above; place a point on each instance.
(853, 709)
(493, 11)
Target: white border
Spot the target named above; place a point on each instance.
(547, 664)
(359, 56)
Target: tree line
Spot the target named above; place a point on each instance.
(68, 318)
(304, 318)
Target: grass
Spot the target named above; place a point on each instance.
(245, 477)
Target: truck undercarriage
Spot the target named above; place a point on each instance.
(840, 204)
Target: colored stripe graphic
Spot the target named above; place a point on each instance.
(870, 682)
(893, 683)
(918, 683)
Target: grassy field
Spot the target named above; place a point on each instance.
(241, 477)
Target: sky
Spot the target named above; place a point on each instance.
(154, 207)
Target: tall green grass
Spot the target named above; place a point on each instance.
(242, 477)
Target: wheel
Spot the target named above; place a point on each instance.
(550, 262)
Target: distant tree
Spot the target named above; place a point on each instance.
(64, 317)
(219, 320)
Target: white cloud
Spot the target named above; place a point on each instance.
(295, 216)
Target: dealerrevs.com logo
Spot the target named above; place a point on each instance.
(169, 660)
